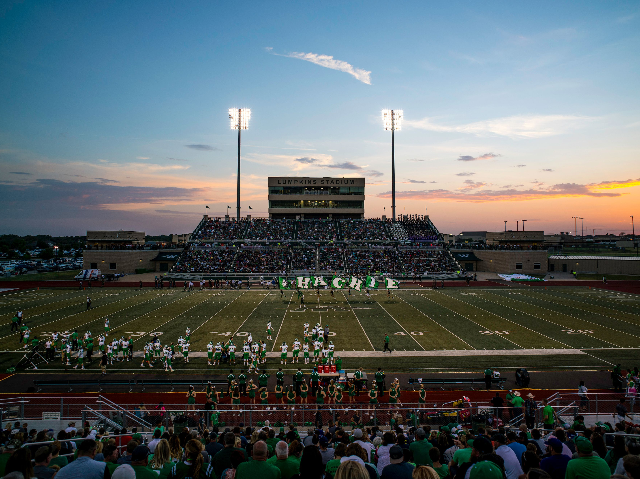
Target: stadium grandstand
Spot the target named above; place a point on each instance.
(411, 246)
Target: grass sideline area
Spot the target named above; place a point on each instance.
(51, 276)
(450, 329)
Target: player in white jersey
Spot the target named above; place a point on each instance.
(305, 352)
(185, 352)
(232, 353)
(167, 357)
(125, 348)
(296, 352)
(246, 352)
(218, 353)
(263, 352)
(325, 350)
(255, 347)
(253, 365)
(306, 328)
(250, 339)
(283, 353)
(331, 348)
(316, 350)
(209, 353)
(269, 330)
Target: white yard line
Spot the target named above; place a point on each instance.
(425, 314)
(252, 311)
(357, 319)
(281, 323)
(469, 319)
(408, 333)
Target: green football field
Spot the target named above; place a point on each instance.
(457, 329)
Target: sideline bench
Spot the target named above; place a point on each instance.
(456, 381)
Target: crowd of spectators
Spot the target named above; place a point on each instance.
(316, 230)
(264, 229)
(200, 260)
(359, 261)
(303, 258)
(418, 261)
(331, 258)
(216, 229)
(364, 230)
(265, 260)
(602, 451)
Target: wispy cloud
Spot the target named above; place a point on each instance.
(143, 158)
(465, 173)
(201, 147)
(473, 192)
(548, 170)
(486, 156)
(106, 180)
(414, 159)
(20, 173)
(472, 185)
(177, 159)
(414, 181)
(306, 160)
(345, 165)
(328, 61)
(516, 127)
(520, 166)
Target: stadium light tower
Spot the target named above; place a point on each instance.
(392, 120)
(239, 121)
(582, 235)
(575, 225)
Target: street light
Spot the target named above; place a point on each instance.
(392, 120)
(239, 121)
(582, 235)
(523, 224)
(505, 226)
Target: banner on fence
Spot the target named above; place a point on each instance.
(336, 282)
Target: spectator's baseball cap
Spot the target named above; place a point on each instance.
(420, 433)
(396, 452)
(140, 453)
(323, 441)
(483, 445)
(554, 443)
(584, 445)
(486, 470)
(357, 433)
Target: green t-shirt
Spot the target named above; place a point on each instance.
(112, 466)
(142, 472)
(59, 461)
(3, 462)
(420, 450)
(14, 319)
(588, 467)
(442, 471)
(262, 379)
(289, 467)
(547, 415)
(257, 469)
(462, 455)
(181, 470)
(379, 376)
(517, 401)
(332, 466)
(386, 339)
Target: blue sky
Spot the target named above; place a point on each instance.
(115, 113)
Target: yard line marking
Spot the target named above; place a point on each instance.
(183, 312)
(281, 323)
(565, 314)
(409, 334)
(588, 310)
(506, 319)
(425, 314)
(357, 319)
(469, 319)
(75, 314)
(265, 297)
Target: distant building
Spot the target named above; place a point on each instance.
(316, 198)
(516, 238)
(114, 239)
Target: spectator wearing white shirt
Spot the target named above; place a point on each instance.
(512, 466)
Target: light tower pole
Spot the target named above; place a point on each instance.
(239, 121)
(582, 219)
(523, 224)
(633, 233)
(392, 120)
(575, 225)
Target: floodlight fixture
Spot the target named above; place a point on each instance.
(392, 120)
(239, 120)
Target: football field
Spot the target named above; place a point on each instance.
(457, 328)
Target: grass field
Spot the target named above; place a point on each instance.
(464, 329)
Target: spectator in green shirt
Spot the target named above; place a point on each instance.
(518, 404)
(548, 415)
(386, 344)
(420, 449)
(586, 466)
(288, 466)
(441, 469)
(258, 467)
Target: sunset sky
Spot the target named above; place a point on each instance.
(113, 114)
